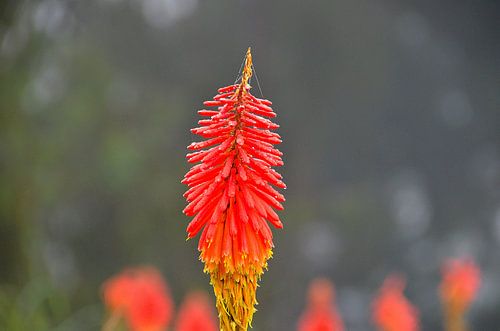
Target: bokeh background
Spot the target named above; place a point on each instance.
(389, 110)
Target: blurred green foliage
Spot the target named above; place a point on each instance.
(39, 306)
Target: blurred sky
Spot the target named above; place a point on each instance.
(389, 112)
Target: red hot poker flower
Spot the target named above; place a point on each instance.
(231, 196)
(391, 310)
(119, 291)
(196, 314)
(321, 313)
(141, 297)
(459, 286)
(461, 280)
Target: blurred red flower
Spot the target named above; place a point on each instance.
(141, 297)
(460, 283)
(196, 314)
(391, 311)
(118, 291)
(321, 313)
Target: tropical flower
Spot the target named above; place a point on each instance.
(141, 297)
(391, 311)
(196, 314)
(321, 313)
(231, 196)
(459, 286)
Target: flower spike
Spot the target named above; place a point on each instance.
(141, 297)
(195, 314)
(391, 310)
(321, 312)
(232, 195)
(461, 279)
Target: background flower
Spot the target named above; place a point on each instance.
(460, 283)
(321, 312)
(141, 297)
(391, 310)
(196, 314)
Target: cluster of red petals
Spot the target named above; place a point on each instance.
(391, 310)
(196, 314)
(231, 193)
(321, 313)
(460, 283)
(141, 297)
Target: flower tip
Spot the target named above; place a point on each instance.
(249, 52)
